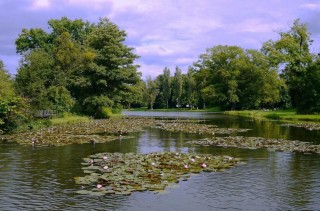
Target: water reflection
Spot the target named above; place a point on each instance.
(42, 178)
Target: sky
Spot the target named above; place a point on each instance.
(165, 33)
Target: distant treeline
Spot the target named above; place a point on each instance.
(85, 68)
(282, 74)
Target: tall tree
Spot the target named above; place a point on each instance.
(13, 109)
(115, 70)
(88, 64)
(177, 87)
(190, 86)
(151, 92)
(222, 64)
(166, 85)
(292, 52)
(234, 78)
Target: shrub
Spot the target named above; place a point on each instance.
(104, 113)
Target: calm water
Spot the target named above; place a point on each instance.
(42, 178)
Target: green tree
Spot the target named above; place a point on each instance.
(190, 87)
(34, 77)
(113, 71)
(13, 109)
(259, 83)
(166, 86)
(177, 87)
(151, 92)
(234, 78)
(222, 64)
(310, 99)
(292, 52)
(88, 64)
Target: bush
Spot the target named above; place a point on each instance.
(104, 113)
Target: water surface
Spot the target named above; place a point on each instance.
(42, 178)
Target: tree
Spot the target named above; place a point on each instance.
(177, 87)
(151, 91)
(259, 83)
(292, 52)
(166, 85)
(234, 78)
(13, 109)
(48, 62)
(88, 64)
(310, 99)
(114, 70)
(222, 64)
(189, 88)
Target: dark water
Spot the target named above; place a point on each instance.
(42, 178)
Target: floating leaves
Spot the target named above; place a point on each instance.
(196, 128)
(95, 131)
(130, 172)
(308, 126)
(258, 142)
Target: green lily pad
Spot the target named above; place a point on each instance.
(155, 171)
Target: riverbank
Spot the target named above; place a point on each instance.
(214, 109)
(282, 115)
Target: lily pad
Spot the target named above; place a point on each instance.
(259, 142)
(153, 172)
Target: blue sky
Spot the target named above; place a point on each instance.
(165, 33)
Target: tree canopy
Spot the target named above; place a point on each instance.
(77, 65)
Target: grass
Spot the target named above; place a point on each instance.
(213, 109)
(69, 119)
(283, 115)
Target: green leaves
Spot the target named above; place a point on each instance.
(12, 107)
(130, 172)
(87, 61)
(234, 78)
(291, 53)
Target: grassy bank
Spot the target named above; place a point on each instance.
(37, 124)
(283, 115)
(68, 119)
(214, 109)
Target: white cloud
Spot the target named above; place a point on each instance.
(94, 5)
(152, 70)
(257, 26)
(311, 6)
(157, 50)
(40, 4)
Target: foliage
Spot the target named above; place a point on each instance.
(166, 86)
(77, 65)
(177, 87)
(151, 92)
(12, 107)
(104, 113)
(292, 51)
(234, 78)
(310, 98)
(283, 115)
(189, 89)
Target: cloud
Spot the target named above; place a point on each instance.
(257, 25)
(40, 4)
(311, 6)
(164, 32)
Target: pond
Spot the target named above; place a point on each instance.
(43, 178)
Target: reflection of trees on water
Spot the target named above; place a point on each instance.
(301, 180)
(292, 179)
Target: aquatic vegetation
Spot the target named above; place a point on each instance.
(308, 126)
(101, 131)
(131, 172)
(189, 127)
(258, 142)
(94, 131)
